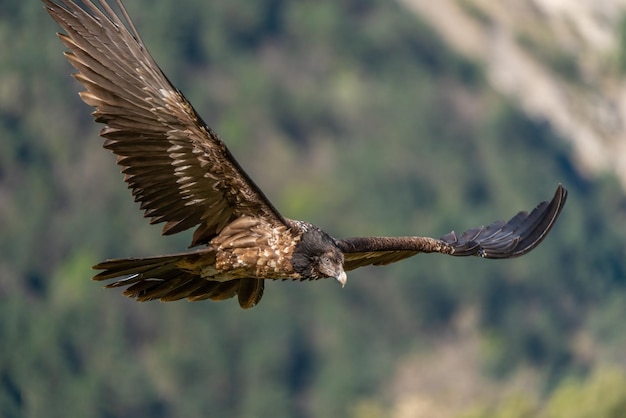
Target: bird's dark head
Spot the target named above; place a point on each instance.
(317, 256)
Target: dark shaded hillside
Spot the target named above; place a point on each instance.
(352, 115)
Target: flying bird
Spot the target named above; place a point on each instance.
(183, 175)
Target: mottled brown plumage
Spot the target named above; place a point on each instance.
(182, 174)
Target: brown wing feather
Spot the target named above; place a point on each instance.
(175, 165)
(501, 239)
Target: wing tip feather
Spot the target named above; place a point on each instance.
(520, 235)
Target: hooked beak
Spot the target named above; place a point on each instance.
(342, 278)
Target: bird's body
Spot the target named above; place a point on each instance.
(183, 174)
(236, 262)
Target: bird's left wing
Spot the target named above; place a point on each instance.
(501, 239)
(177, 167)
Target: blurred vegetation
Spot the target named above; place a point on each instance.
(602, 395)
(622, 45)
(546, 50)
(350, 114)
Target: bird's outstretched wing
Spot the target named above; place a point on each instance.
(499, 240)
(177, 167)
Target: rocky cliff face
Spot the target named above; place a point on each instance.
(562, 60)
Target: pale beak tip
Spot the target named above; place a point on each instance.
(342, 278)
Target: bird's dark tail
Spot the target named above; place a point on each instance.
(177, 276)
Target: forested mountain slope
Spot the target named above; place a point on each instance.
(353, 115)
(563, 62)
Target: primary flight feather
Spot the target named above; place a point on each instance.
(182, 174)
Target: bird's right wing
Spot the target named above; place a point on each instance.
(177, 167)
(500, 239)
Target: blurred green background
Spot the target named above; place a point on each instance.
(353, 115)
